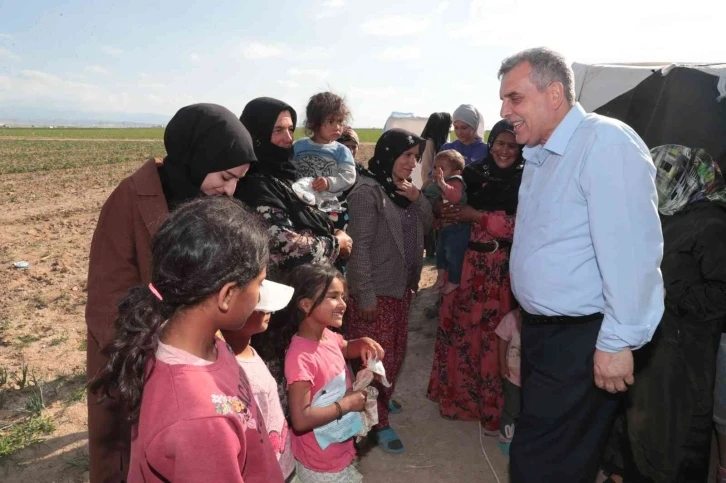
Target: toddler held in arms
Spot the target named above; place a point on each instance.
(449, 186)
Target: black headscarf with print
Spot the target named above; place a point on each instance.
(259, 117)
(390, 146)
(489, 187)
(437, 129)
(201, 139)
(269, 182)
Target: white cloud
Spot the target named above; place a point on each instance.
(288, 83)
(315, 53)
(399, 53)
(32, 86)
(7, 54)
(367, 93)
(154, 86)
(441, 8)
(318, 74)
(324, 14)
(396, 26)
(509, 28)
(96, 69)
(112, 50)
(463, 86)
(194, 57)
(258, 50)
(328, 9)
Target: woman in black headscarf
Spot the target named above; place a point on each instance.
(300, 233)
(388, 220)
(465, 376)
(208, 151)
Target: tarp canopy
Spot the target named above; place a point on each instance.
(405, 120)
(664, 103)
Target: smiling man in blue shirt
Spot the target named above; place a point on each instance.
(584, 266)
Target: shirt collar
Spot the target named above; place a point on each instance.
(565, 129)
(559, 139)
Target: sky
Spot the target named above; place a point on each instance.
(153, 57)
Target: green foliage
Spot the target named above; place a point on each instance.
(22, 379)
(36, 402)
(27, 155)
(83, 133)
(29, 431)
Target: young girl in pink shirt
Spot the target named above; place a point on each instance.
(194, 414)
(315, 357)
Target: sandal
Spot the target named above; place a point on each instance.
(504, 447)
(394, 407)
(389, 441)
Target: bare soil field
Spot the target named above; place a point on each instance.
(51, 192)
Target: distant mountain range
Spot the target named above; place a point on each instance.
(13, 115)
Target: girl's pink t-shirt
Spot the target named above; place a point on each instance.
(264, 389)
(199, 421)
(318, 363)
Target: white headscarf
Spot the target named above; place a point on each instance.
(470, 115)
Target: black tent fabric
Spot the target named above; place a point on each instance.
(677, 108)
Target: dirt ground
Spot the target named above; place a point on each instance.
(47, 219)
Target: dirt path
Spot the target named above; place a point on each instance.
(437, 450)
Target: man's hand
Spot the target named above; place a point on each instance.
(614, 371)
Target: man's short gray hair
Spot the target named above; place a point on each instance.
(548, 66)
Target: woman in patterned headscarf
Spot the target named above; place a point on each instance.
(672, 398)
(388, 220)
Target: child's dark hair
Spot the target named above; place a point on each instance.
(437, 129)
(311, 281)
(320, 107)
(202, 246)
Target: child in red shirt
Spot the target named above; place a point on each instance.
(194, 414)
(315, 357)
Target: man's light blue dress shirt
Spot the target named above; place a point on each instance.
(588, 237)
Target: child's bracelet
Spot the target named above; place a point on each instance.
(340, 411)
